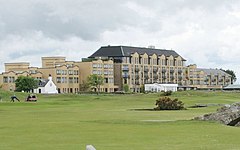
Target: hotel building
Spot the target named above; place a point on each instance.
(136, 66)
(120, 66)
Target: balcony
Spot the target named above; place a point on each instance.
(172, 71)
(125, 76)
(137, 82)
(125, 69)
(155, 76)
(136, 76)
(155, 69)
(164, 77)
(137, 69)
(146, 76)
(213, 80)
(180, 71)
(146, 69)
(180, 77)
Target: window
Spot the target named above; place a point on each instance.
(163, 62)
(110, 80)
(58, 79)
(70, 72)
(105, 66)
(105, 72)
(75, 72)
(75, 79)
(70, 80)
(58, 72)
(94, 72)
(5, 79)
(94, 65)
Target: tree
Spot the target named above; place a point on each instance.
(232, 73)
(84, 86)
(95, 81)
(25, 83)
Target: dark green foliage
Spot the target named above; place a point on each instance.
(166, 103)
(232, 73)
(26, 83)
(142, 89)
(125, 88)
(84, 87)
(167, 93)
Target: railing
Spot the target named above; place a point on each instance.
(125, 76)
(137, 69)
(155, 69)
(125, 69)
(146, 69)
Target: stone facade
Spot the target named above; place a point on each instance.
(119, 65)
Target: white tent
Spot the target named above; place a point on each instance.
(155, 87)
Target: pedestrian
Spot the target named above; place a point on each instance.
(13, 98)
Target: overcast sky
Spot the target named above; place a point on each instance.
(205, 32)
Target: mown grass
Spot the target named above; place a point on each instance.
(109, 122)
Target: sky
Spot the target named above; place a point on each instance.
(204, 32)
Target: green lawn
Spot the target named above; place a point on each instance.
(109, 122)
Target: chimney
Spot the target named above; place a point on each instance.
(151, 46)
(50, 77)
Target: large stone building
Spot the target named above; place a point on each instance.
(137, 66)
(104, 68)
(120, 66)
(13, 71)
(202, 78)
(64, 74)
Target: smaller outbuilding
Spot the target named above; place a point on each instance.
(155, 87)
(46, 87)
(232, 87)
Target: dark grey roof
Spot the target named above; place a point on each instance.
(121, 51)
(42, 83)
(213, 71)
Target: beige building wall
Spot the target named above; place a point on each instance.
(17, 67)
(206, 78)
(8, 79)
(99, 67)
(66, 78)
(48, 62)
(140, 69)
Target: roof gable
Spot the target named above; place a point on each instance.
(122, 51)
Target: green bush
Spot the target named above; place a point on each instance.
(126, 88)
(166, 103)
(166, 93)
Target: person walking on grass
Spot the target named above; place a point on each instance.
(13, 98)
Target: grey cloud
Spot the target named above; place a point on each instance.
(63, 19)
(195, 28)
(89, 19)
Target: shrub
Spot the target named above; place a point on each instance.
(166, 103)
(126, 88)
(166, 93)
